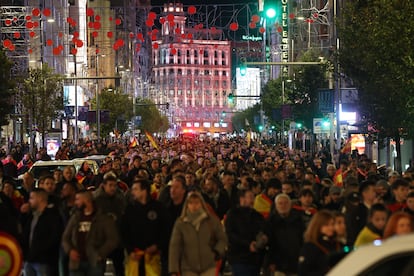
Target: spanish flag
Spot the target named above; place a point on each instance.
(346, 149)
(263, 205)
(133, 143)
(152, 140)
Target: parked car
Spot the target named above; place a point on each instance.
(394, 256)
(98, 158)
(41, 168)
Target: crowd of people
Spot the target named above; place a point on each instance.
(198, 207)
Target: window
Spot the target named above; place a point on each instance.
(395, 265)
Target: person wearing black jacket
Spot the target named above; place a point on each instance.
(285, 230)
(244, 229)
(41, 236)
(144, 225)
(320, 250)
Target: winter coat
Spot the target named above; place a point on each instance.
(145, 225)
(317, 259)
(243, 224)
(46, 237)
(101, 240)
(285, 240)
(196, 251)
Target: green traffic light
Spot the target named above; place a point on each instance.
(298, 125)
(270, 13)
(243, 70)
(260, 128)
(231, 98)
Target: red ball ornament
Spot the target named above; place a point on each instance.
(49, 42)
(170, 17)
(97, 17)
(28, 17)
(252, 25)
(32, 34)
(292, 16)
(8, 22)
(7, 43)
(95, 34)
(262, 30)
(155, 45)
(152, 15)
(56, 51)
(162, 20)
(30, 51)
(89, 12)
(74, 51)
(29, 25)
(79, 43)
(177, 30)
(192, 10)
(46, 12)
(149, 22)
(131, 35)
(173, 51)
(109, 34)
(140, 36)
(36, 12)
(90, 24)
(255, 18)
(279, 29)
(60, 34)
(118, 21)
(36, 24)
(96, 25)
(12, 47)
(75, 34)
(16, 34)
(234, 26)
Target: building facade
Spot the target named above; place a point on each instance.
(192, 73)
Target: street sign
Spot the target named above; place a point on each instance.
(326, 101)
(320, 125)
(83, 113)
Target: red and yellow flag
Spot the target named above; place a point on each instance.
(152, 140)
(133, 143)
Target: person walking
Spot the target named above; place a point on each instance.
(41, 236)
(197, 240)
(245, 230)
(88, 238)
(144, 228)
(320, 245)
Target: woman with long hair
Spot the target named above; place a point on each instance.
(197, 240)
(320, 244)
(399, 223)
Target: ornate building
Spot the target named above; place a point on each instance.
(192, 73)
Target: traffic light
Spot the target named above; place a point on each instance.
(231, 98)
(260, 127)
(270, 12)
(299, 125)
(167, 105)
(272, 9)
(243, 70)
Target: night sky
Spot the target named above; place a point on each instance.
(203, 2)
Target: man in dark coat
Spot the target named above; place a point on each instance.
(285, 232)
(41, 236)
(245, 232)
(144, 226)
